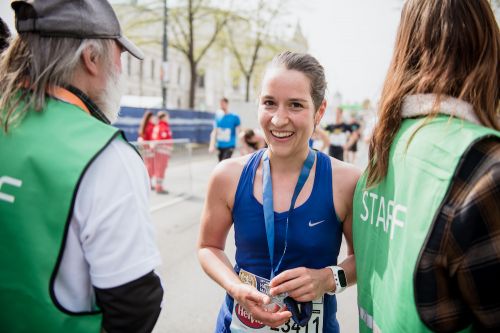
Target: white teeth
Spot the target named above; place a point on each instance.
(282, 134)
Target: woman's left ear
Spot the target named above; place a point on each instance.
(320, 113)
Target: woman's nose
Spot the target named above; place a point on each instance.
(280, 117)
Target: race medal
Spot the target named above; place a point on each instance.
(242, 321)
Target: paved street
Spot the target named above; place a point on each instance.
(192, 300)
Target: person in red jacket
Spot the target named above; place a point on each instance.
(163, 149)
(144, 136)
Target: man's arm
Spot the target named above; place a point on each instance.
(133, 307)
(117, 239)
(352, 139)
(211, 145)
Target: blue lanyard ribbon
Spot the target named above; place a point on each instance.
(268, 202)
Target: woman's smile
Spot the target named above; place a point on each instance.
(279, 134)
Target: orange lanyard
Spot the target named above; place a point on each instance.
(67, 96)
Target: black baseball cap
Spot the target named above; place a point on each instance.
(92, 19)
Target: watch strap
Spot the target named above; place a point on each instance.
(338, 287)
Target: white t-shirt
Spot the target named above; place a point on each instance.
(110, 240)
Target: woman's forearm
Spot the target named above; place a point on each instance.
(216, 264)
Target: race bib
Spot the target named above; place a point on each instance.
(242, 321)
(223, 134)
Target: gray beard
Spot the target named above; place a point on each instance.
(109, 99)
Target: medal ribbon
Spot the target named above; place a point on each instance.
(267, 198)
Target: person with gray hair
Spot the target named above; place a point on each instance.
(77, 249)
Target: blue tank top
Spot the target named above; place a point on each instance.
(314, 234)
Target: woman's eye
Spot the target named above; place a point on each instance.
(268, 103)
(296, 105)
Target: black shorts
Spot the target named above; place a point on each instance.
(225, 153)
(354, 147)
(336, 152)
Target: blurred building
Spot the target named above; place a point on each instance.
(218, 73)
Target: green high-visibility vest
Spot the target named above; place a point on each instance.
(392, 219)
(43, 160)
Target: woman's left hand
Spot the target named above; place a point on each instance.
(303, 284)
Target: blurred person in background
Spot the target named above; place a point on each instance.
(427, 213)
(162, 150)
(251, 141)
(77, 249)
(321, 141)
(226, 131)
(4, 35)
(145, 133)
(338, 133)
(351, 147)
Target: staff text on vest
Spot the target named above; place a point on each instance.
(391, 214)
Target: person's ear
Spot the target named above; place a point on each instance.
(320, 113)
(90, 61)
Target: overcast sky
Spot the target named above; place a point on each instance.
(353, 39)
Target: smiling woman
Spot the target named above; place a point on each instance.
(290, 206)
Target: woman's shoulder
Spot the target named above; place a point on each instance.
(344, 173)
(229, 170)
(226, 176)
(344, 179)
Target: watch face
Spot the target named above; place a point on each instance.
(342, 279)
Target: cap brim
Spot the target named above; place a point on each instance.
(130, 47)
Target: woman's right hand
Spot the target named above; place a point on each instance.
(257, 305)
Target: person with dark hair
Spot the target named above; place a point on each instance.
(251, 141)
(338, 134)
(145, 135)
(226, 131)
(77, 249)
(162, 149)
(321, 141)
(426, 212)
(4, 35)
(351, 146)
(290, 206)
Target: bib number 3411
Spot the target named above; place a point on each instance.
(244, 322)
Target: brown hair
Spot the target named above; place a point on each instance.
(145, 119)
(444, 47)
(310, 67)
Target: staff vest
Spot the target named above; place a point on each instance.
(43, 160)
(392, 219)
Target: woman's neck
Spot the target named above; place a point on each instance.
(289, 164)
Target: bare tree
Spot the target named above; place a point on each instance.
(255, 23)
(194, 28)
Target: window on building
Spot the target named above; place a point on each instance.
(152, 69)
(141, 69)
(179, 74)
(201, 80)
(129, 64)
(236, 82)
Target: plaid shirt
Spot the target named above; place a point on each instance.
(457, 279)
